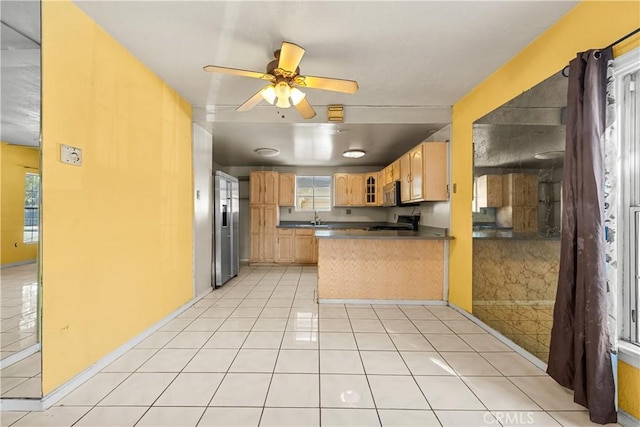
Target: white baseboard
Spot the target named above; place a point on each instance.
(627, 420)
(380, 301)
(17, 264)
(53, 397)
(18, 356)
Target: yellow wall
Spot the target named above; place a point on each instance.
(629, 389)
(117, 231)
(15, 162)
(591, 24)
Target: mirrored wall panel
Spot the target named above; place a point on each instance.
(519, 150)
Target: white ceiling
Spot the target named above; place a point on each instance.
(412, 60)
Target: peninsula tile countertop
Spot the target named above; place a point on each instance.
(425, 233)
(505, 234)
(344, 225)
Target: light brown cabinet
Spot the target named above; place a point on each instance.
(416, 159)
(519, 209)
(405, 178)
(411, 166)
(348, 189)
(371, 189)
(392, 172)
(287, 189)
(489, 191)
(263, 188)
(305, 247)
(263, 217)
(286, 245)
(263, 222)
(434, 171)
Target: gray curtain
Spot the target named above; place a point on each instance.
(579, 356)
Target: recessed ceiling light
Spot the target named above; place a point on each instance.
(545, 155)
(353, 154)
(267, 152)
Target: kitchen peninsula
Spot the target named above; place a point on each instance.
(381, 265)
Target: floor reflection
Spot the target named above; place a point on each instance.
(19, 303)
(19, 331)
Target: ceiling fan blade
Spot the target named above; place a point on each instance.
(326, 83)
(237, 72)
(305, 109)
(290, 56)
(253, 101)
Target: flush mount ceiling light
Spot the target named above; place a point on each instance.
(353, 154)
(546, 155)
(267, 152)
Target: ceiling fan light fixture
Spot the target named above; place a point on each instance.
(269, 94)
(297, 95)
(267, 152)
(283, 91)
(353, 154)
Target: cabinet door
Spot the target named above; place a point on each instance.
(304, 249)
(388, 175)
(489, 191)
(269, 233)
(255, 235)
(415, 157)
(395, 171)
(405, 178)
(270, 188)
(371, 189)
(379, 188)
(286, 189)
(256, 183)
(356, 189)
(434, 173)
(341, 189)
(285, 245)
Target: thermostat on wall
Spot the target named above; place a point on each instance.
(70, 155)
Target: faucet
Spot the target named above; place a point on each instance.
(316, 219)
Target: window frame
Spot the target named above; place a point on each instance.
(313, 197)
(627, 109)
(34, 235)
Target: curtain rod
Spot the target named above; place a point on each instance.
(565, 70)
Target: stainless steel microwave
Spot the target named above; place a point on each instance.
(391, 194)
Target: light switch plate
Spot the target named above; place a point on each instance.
(70, 155)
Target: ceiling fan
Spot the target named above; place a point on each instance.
(283, 74)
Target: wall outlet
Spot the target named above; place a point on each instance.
(70, 155)
(289, 210)
(395, 216)
(348, 211)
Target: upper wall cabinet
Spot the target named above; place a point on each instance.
(372, 189)
(423, 173)
(287, 189)
(264, 188)
(489, 191)
(434, 171)
(349, 189)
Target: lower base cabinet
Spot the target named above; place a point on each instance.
(305, 247)
(296, 246)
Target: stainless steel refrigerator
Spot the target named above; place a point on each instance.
(225, 228)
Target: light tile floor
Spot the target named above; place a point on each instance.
(18, 304)
(18, 331)
(260, 351)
